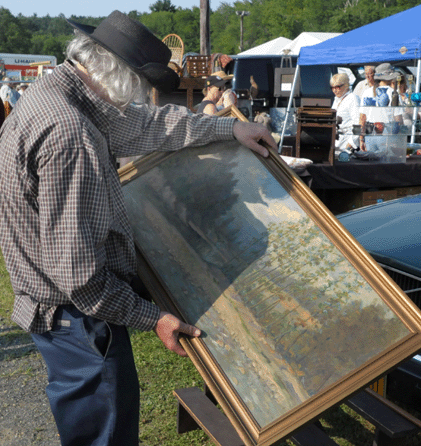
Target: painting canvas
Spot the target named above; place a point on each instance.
(295, 316)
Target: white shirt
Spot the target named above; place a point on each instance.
(360, 88)
(9, 95)
(347, 108)
(386, 115)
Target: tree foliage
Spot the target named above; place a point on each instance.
(268, 20)
(162, 5)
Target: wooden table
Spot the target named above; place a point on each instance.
(187, 84)
(190, 84)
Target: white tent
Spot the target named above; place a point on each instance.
(307, 39)
(272, 47)
(282, 45)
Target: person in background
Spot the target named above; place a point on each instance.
(366, 83)
(66, 237)
(2, 112)
(228, 96)
(402, 88)
(375, 108)
(8, 95)
(21, 88)
(214, 87)
(347, 108)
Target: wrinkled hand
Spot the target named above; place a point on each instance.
(249, 134)
(168, 328)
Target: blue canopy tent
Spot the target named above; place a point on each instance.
(393, 39)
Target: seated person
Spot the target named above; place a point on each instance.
(375, 108)
(214, 87)
(346, 106)
(228, 96)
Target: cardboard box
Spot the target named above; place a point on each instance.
(405, 191)
(374, 197)
(348, 199)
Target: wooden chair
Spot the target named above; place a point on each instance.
(176, 45)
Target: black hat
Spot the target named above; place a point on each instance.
(215, 81)
(136, 45)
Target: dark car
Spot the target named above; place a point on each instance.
(391, 233)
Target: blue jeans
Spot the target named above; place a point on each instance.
(93, 387)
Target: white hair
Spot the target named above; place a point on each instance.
(106, 70)
(340, 77)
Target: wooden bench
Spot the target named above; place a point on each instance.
(391, 422)
(197, 410)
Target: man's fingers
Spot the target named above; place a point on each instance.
(189, 329)
(252, 135)
(258, 148)
(174, 345)
(168, 329)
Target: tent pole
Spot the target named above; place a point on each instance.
(417, 90)
(291, 96)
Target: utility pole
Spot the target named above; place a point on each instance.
(204, 28)
(241, 14)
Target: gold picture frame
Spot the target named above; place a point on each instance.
(233, 112)
(295, 315)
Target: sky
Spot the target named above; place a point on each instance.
(100, 8)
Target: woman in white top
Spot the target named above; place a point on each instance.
(346, 106)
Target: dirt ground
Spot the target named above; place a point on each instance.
(25, 416)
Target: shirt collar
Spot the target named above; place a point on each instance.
(100, 112)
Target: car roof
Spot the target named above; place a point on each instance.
(389, 231)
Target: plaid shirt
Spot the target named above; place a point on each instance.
(65, 235)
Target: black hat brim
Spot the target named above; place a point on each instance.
(160, 76)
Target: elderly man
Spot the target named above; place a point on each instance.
(65, 234)
(366, 83)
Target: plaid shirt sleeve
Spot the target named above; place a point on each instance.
(147, 128)
(76, 220)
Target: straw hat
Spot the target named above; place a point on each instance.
(223, 75)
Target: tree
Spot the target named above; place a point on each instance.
(14, 38)
(186, 23)
(268, 20)
(162, 5)
(160, 23)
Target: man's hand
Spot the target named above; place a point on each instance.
(249, 134)
(167, 329)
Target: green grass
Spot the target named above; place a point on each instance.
(6, 292)
(161, 371)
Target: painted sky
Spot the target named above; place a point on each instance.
(93, 9)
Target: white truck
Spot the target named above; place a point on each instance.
(25, 67)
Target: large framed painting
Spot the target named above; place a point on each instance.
(295, 315)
